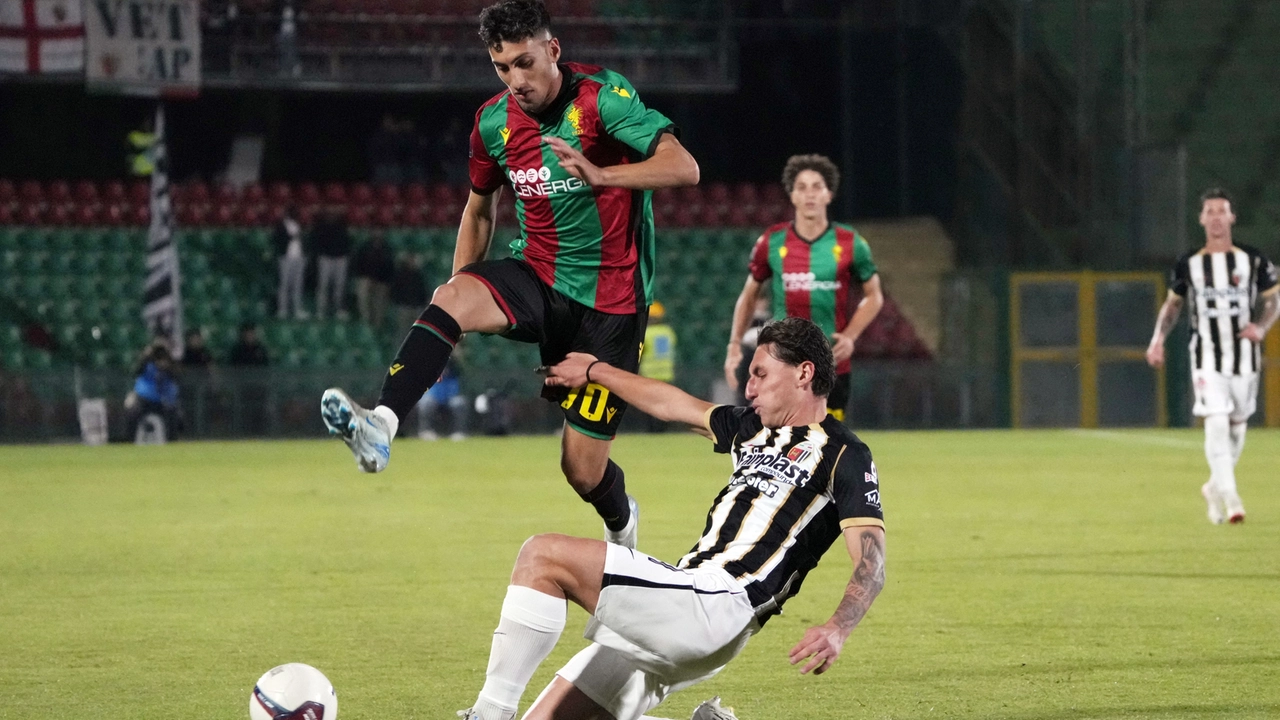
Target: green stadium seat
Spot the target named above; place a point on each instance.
(99, 359)
(33, 239)
(33, 288)
(62, 263)
(62, 240)
(14, 358)
(10, 239)
(37, 359)
(9, 263)
(86, 262)
(12, 335)
(120, 240)
(115, 263)
(67, 311)
(33, 262)
(87, 240)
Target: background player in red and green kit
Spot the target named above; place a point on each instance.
(581, 153)
(811, 265)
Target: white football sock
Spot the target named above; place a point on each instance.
(1238, 430)
(1222, 466)
(386, 413)
(530, 626)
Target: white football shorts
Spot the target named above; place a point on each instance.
(1221, 394)
(658, 629)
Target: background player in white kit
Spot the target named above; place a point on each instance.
(801, 480)
(1233, 301)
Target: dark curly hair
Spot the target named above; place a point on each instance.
(795, 340)
(513, 21)
(820, 164)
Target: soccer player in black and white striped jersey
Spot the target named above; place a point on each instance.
(1232, 299)
(801, 480)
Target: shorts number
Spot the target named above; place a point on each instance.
(590, 410)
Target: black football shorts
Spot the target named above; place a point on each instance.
(559, 325)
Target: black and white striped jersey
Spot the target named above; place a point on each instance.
(792, 492)
(1221, 290)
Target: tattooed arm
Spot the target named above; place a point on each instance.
(1268, 311)
(1165, 321)
(822, 644)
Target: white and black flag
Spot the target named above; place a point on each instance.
(162, 300)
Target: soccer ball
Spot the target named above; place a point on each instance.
(293, 691)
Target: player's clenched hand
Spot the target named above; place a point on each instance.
(821, 645)
(574, 162)
(841, 348)
(1252, 333)
(571, 371)
(1155, 355)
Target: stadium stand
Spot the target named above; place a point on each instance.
(76, 264)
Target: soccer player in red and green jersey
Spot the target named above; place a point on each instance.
(810, 265)
(581, 153)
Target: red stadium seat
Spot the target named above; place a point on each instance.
(773, 193)
(389, 194)
(307, 194)
(114, 214)
(281, 193)
(86, 192)
(140, 191)
(273, 214)
(385, 216)
(113, 192)
(712, 215)
(358, 215)
(59, 191)
(684, 217)
(223, 215)
(197, 191)
(87, 214)
(140, 215)
(439, 216)
(690, 197)
(361, 193)
(335, 193)
(307, 214)
(8, 191)
(7, 215)
(254, 193)
(746, 194)
(226, 195)
(58, 214)
(31, 193)
(739, 216)
(30, 214)
(250, 215)
(717, 193)
(413, 216)
(416, 193)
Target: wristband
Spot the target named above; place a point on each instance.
(593, 364)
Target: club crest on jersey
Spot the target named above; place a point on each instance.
(800, 452)
(575, 119)
(621, 92)
(1237, 277)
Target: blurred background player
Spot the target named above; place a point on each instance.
(658, 358)
(812, 264)
(1232, 294)
(154, 415)
(801, 480)
(581, 275)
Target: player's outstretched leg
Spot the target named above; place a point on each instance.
(367, 432)
(582, 459)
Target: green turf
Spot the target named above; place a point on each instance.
(1033, 575)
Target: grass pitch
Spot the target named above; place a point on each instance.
(1038, 575)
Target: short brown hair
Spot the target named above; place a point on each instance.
(820, 164)
(795, 340)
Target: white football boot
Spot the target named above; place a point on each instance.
(626, 537)
(711, 710)
(362, 430)
(1217, 514)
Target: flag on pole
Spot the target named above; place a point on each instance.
(41, 36)
(162, 300)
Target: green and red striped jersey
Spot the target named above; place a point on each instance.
(811, 278)
(594, 244)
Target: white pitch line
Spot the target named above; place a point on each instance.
(1139, 438)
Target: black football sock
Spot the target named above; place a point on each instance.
(422, 357)
(610, 498)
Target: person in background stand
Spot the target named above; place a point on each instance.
(196, 354)
(447, 392)
(331, 243)
(658, 355)
(292, 260)
(408, 289)
(155, 391)
(374, 268)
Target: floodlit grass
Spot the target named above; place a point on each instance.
(1037, 575)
